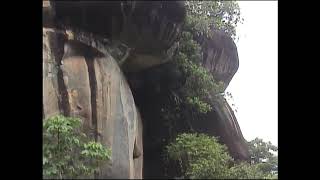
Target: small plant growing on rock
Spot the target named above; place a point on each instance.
(69, 153)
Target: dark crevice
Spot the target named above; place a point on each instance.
(57, 43)
(93, 90)
(63, 100)
(76, 48)
(152, 89)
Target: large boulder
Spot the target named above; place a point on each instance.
(80, 81)
(220, 57)
(149, 28)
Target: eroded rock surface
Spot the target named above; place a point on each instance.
(90, 85)
(222, 123)
(220, 57)
(149, 28)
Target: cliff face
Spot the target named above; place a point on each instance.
(85, 74)
(220, 57)
(84, 83)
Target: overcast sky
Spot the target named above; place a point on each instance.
(255, 86)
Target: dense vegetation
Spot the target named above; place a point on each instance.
(196, 96)
(205, 16)
(198, 155)
(201, 157)
(68, 152)
(202, 20)
(263, 156)
(200, 86)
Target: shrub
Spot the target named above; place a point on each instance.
(69, 153)
(245, 171)
(202, 16)
(199, 156)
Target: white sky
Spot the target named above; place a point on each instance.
(255, 86)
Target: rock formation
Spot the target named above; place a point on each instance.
(90, 85)
(220, 57)
(222, 123)
(149, 28)
(86, 69)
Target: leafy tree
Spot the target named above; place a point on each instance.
(199, 156)
(262, 156)
(69, 153)
(200, 86)
(203, 16)
(244, 170)
(202, 157)
(260, 150)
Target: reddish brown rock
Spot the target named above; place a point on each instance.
(50, 79)
(90, 85)
(76, 81)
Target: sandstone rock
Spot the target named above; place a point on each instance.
(47, 14)
(96, 91)
(50, 80)
(76, 81)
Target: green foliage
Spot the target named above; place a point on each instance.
(202, 157)
(260, 150)
(262, 156)
(245, 171)
(203, 107)
(200, 85)
(202, 16)
(263, 165)
(199, 155)
(271, 176)
(253, 171)
(69, 153)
